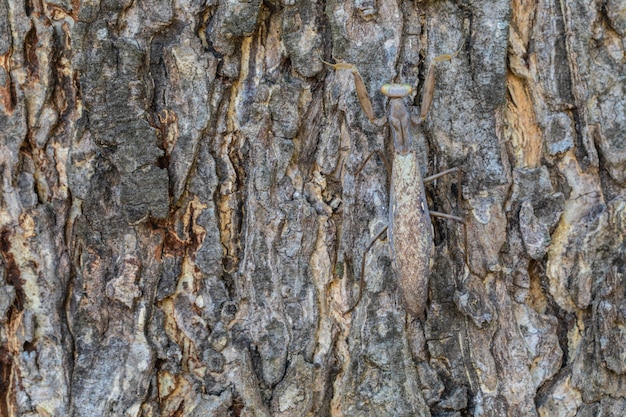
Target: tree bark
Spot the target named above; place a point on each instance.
(183, 218)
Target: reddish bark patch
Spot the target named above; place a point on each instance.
(6, 368)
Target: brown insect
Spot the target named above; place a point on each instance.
(409, 229)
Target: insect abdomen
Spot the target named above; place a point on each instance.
(410, 232)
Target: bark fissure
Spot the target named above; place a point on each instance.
(183, 217)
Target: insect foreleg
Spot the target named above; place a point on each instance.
(429, 84)
(361, 91)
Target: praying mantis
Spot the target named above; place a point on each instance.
(409, 228)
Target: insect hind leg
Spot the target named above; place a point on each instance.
(367, 249)
(458, 197)
(458, 180)
(441, 174)
(382, 157)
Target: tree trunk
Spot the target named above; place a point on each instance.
(183, 216)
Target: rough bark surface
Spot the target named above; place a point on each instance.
(182, 223)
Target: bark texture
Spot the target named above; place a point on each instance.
(182, 224)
